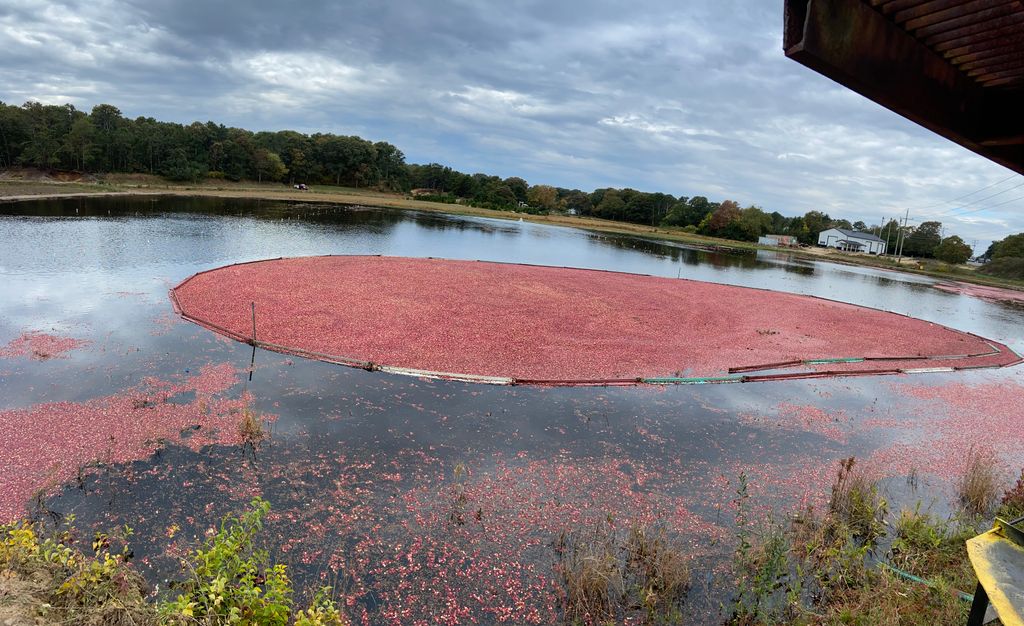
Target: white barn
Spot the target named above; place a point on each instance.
(851, 241)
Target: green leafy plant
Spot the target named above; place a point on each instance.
(229, 581)
(322, 611)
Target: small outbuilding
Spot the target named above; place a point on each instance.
(851, 241)
(787, 241)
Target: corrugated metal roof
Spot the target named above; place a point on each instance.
(984, 39)
(856, 234)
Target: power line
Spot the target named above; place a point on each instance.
(999, 182)
(974, 203)
(989, 207)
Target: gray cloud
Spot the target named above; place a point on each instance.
(687, 98)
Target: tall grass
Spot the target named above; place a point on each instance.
(251, 429)
(857, 503)
(613, 574)
(978, 489)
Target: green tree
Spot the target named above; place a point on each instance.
(180, 167)
(518, 186)
(268, 165)
(923, 240)
(953, 250)
(79, 143)
(14, 134)
(577, 201)
(1012, 246)
(390, 165)
(48, 126)
(689, 212)
(890, 234)
(611, 205)
(110, 141)
(751, 224)
(814, 223)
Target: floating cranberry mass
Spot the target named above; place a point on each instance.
(523, 324)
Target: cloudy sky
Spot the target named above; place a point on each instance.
(692, 97)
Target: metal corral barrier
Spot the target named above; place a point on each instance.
(740, 374)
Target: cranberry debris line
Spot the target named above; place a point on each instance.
(505, 323)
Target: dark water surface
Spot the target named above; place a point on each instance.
(361, 466)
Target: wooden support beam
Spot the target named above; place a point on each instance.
(856, 44)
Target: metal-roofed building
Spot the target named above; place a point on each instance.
(851, 241)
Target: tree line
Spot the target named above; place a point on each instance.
(104, 141)
(1005, 258)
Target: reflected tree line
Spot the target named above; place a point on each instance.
(104, 141)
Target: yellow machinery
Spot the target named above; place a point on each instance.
(998, 559)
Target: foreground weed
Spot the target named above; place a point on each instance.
(769, 581)
(67, 586)
(823, 569)
(228, 581)
(458, 498)
(929, 546)
(251, 429)
(637, 574)
(978, 489)
(857, 503)
(321, 612)
(1011, 506)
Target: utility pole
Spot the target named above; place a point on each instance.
(902, 238)
(887, 233)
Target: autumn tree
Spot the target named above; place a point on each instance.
(542, 197)
(726, 213)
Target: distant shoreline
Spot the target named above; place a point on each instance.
(27, 190)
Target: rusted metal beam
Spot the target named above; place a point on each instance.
(855, 44)
(989, 18)
(977, 33)
(992, 61)
(985, 50)
(933, 12)
(988, 70)
(989, 76)
(1015, 140)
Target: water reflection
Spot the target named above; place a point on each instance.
(99, 269)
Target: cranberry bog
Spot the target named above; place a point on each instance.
(502, 323)
(429, 501)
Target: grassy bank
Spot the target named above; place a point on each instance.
(138, 184)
